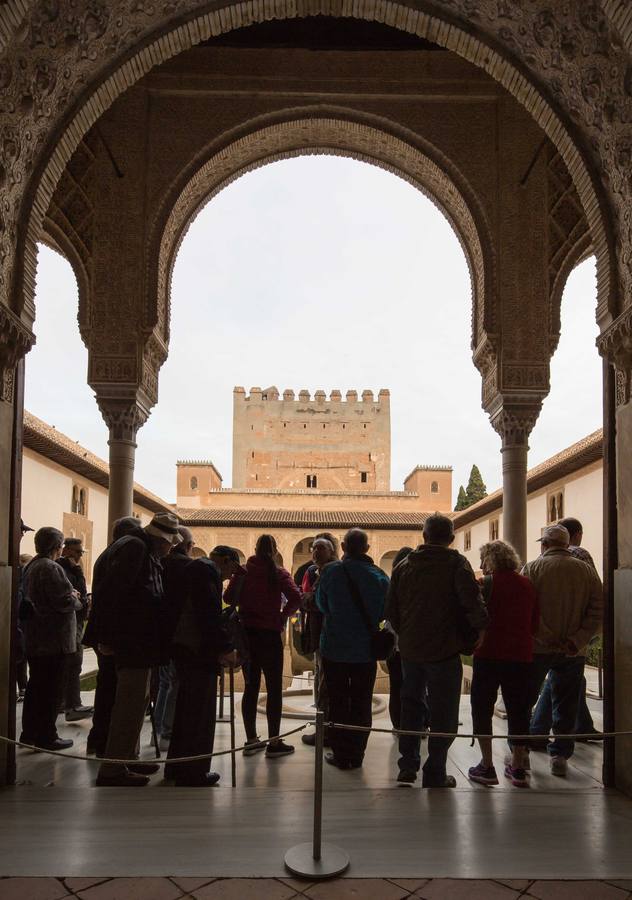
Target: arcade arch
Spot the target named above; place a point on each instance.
(582, 109)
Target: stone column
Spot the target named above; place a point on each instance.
(15, 341)
(514, 427)
(615, 344)
(123, 417)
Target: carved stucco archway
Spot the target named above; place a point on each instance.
(341, 133)
(75, 63)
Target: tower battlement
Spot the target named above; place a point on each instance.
(311, 441)
(271, 395)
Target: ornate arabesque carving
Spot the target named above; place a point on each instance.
(615, 344)
(15, 342)
(515, 419)
(570, 51)
(123, 416)
(342, 136)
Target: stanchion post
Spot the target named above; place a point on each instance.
(315, 860)
(233, 755)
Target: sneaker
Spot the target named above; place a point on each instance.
(518, 777)
(279, 748)
(79, 713)
(407, 776)
(333, 760)
(254, 746)
(483, 775)
(559, 766)
(20, 697)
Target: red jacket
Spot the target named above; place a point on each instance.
(261, 604)
(514, 619)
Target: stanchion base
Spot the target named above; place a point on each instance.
(300, 861)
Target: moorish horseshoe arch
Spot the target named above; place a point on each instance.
(342, 133)
(522, 50)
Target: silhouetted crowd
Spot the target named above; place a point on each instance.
(157, 608)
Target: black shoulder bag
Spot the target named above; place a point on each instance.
(382, 639)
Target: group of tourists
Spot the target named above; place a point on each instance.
(157, 607)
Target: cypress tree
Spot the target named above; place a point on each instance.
(461, 501)
(476, 489)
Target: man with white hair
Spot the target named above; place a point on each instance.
(570, 595)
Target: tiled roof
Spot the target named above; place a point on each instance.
(279, 518)
(578, 455)
(58, 447)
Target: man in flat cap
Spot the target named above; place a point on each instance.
(70, 561)
(133, 628)
(570, 595)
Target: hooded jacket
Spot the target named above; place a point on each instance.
(263, 603)
(433, 595)
(571, 601)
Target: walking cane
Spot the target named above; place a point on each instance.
(153, 728)
(233, 755)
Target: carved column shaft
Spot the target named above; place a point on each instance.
(123, 417)
(514, 427)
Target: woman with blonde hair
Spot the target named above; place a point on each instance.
(503, 659)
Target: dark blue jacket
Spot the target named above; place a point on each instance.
(345, 636)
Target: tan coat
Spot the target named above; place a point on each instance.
(570, 594)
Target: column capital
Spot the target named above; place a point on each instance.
(514, 421)
(615, 345)
(15, 342)
(123, 416)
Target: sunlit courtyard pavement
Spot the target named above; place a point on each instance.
(230, 842)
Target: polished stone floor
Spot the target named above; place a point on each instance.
(56, 823)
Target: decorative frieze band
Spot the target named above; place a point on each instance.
(15, 342)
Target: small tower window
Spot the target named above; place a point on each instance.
(434, 488)
(312, 481)
(494, 529)
(193, 483)
(363, 477)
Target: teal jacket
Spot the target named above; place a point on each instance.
(345, 636)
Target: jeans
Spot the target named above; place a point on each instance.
(543, 713)
(266, 655)
(514, 679)
(194, 722)
(165, 707)
(442, 680)
(350, 688)
(565, 674)
(43, 690)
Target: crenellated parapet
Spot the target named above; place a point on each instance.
(272, 394)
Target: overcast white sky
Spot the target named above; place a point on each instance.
(316, 272)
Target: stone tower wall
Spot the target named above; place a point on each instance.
(285, 442)
(433, 485)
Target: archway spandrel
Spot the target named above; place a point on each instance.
(66, 53)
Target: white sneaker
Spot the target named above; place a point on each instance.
(559, 766)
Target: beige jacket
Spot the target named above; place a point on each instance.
(570, 594)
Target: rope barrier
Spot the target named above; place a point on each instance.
(139, 762)
(493, 737)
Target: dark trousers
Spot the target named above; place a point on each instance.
(350, 689)
(71, 688)
(442, 681)
(104, 696)
(514, 680)
(194, 722)
(543, 713)
(266, 655)
(21, 674)
(43, 688)
(565, 674)
(394, 666)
